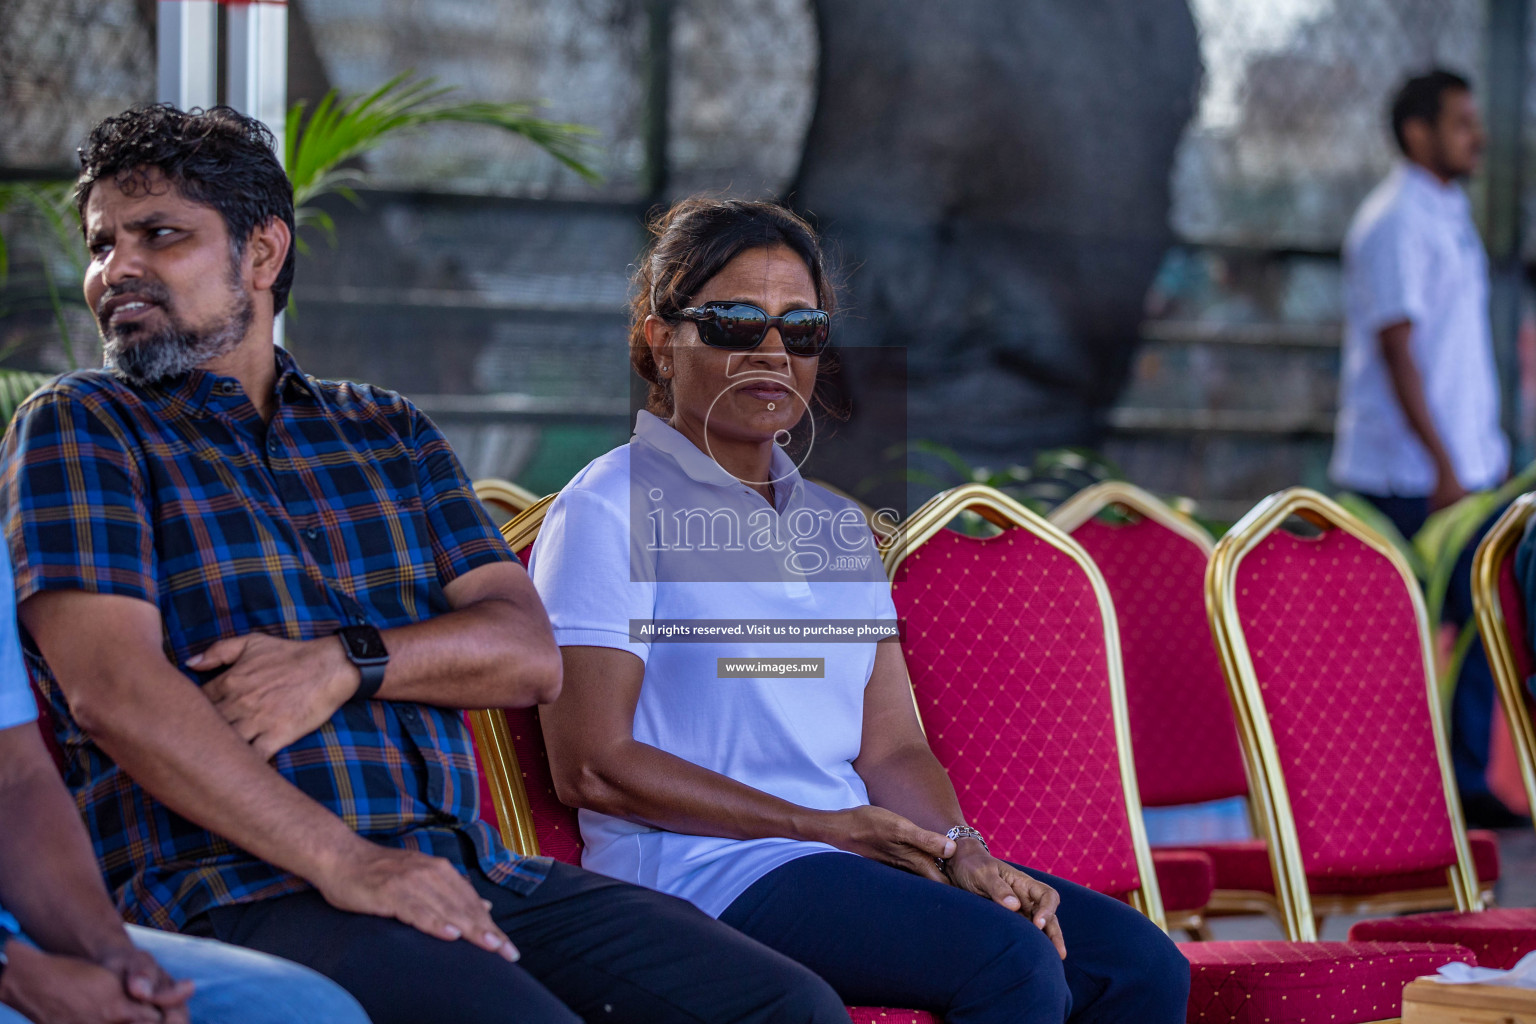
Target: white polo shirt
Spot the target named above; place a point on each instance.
(630, 538)
(1414, 254)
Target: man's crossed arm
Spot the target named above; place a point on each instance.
(493, 649)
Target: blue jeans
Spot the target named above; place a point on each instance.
(238, 986)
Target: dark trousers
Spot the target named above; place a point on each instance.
(1472, 699)
(883, 937)
(593, 949)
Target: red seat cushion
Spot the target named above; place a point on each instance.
(883, 1015)
(1306, 982)
(1185, 877)
(1244, 864)
(1498, 937)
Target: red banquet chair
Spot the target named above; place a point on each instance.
(1325, 641)
(508, 501)
(517, 781)
(1182, 726)
(1013, 651)
(1501, 619)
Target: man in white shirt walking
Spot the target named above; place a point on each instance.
(1418, 422)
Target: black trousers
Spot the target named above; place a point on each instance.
(593, 949)
(883, 937)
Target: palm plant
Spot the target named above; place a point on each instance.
(322, 142)
(1053, 476)
(323, 145)
(1434, 551)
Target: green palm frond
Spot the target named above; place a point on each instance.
(15, 387)
(49, 205)
(339, 129)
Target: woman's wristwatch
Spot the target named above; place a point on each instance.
(958, 833)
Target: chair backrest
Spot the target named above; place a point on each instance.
(1327, 646)
(1153, 560)
(1501, 619)
(515, 773)
(504, 495)
(1011, 646)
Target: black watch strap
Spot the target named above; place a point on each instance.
(373, 678)
(365, 649)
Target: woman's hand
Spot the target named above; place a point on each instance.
(887, 837)
(974, 869)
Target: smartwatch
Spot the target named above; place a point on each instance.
(365, 649)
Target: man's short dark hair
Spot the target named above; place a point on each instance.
(218, 157)
(1421, 97)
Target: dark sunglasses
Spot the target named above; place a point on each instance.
(741, 326)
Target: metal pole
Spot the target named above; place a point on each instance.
(658, 97)
(256, 82)
(186, 53)
(1505, 105)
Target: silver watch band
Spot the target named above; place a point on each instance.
(960, 832)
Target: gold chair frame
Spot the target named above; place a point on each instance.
(493, 738)
(1501, 540)
(505, 495)
(1269, 794)
(1002, 511)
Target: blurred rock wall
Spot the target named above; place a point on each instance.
(994, 175)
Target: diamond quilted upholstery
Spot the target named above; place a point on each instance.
(1306, 982)
(1498, 937)
(1183, 731)
(1336, 650)
(1005, 647)
(1185, 878)
(553, 822)
(882, 1015)
(1244, 864)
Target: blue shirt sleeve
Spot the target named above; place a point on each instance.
(17, 706)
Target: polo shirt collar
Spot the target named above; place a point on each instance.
(661, 435)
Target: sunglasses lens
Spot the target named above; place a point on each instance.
(736, 326)
(805, 331)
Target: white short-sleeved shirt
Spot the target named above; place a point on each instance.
(1414, 254)
(646, 533)
(17, 706)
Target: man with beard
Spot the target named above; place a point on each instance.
(1418, 421)
(254, 600)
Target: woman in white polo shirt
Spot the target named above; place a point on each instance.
(807, 812)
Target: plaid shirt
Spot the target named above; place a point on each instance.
(350, 507)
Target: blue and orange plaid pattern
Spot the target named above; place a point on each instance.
(350, 507)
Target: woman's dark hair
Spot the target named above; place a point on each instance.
(692, 242)
(218, 157)
(1420, 98)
